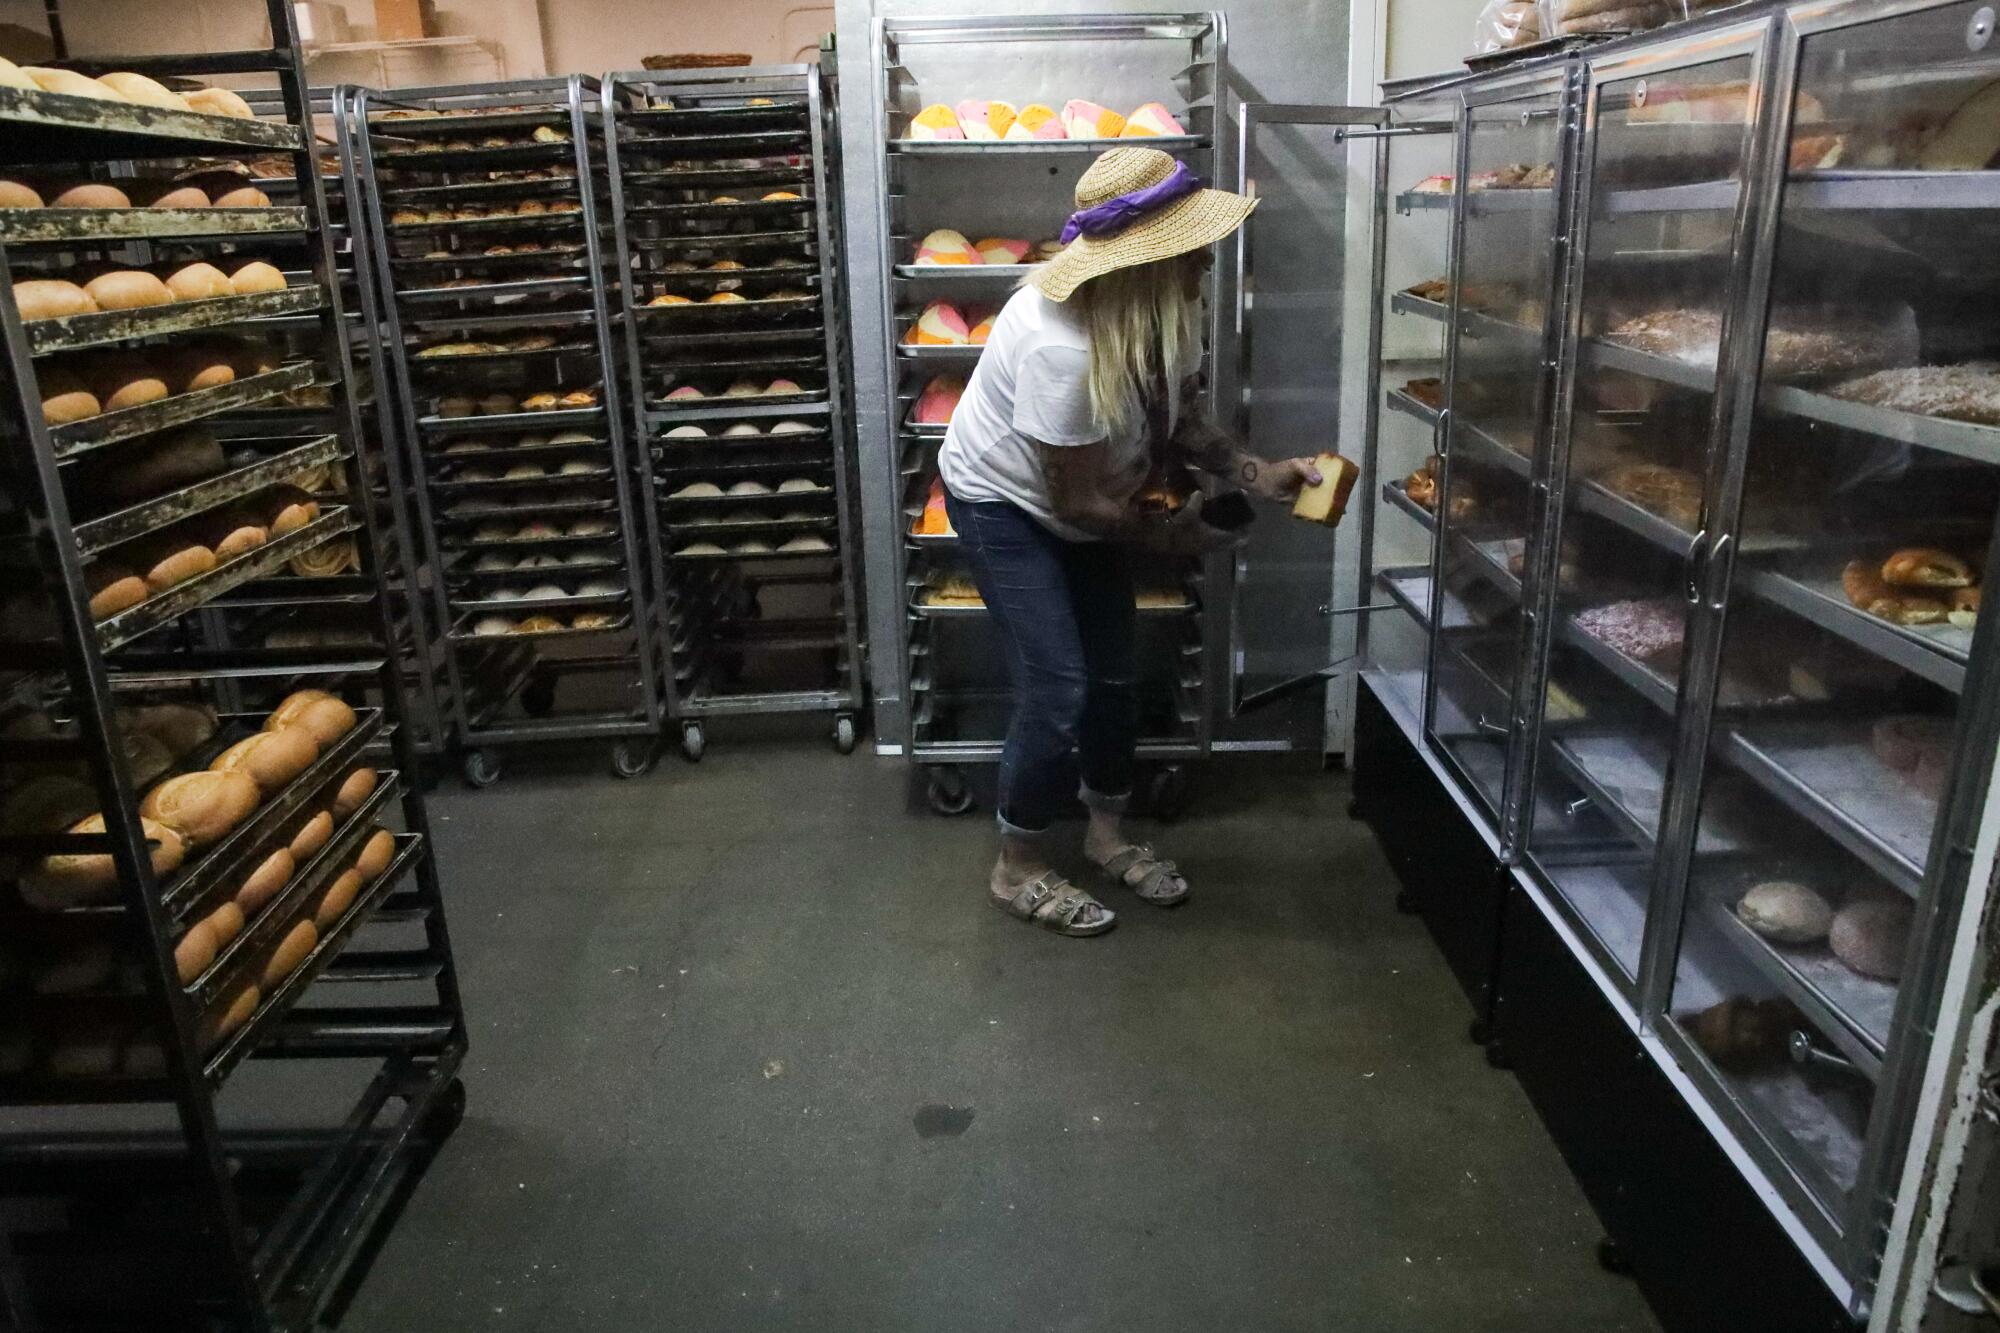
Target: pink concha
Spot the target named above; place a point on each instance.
(1088, 120)
(936, 121)
(1036, 122)
(977, 119)
(938, 400)
(1150, 119)
(685, 392)
(941, 325)
(782, 387)
(1001, 250)
(945, 246)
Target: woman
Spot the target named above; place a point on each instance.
(1073, 413)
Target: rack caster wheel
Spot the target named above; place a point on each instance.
(632, 759)
(481, 768)
(538, 699)
(844, 734)
(447, 1113)
(1479, 1032)
(948, 792)
(1497, 1057)
(693, 742)
(1169, 796)
(1406, 903)
(1613, 1258)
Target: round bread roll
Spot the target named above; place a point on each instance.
(113, 589)
(238, 1012)
(180, 727)
(299, 941)
(271, 758)
(312, 836)
(202, 807)
(325, 718)
(177, 567)
(126, 381)
(240, 540)
(293, 515)
(51, 298)
(245, 196)
(376, 853)
(183, 196)
(1869, 937)
(263, 883)
(139, 89)
(1785, 912)
(162, 463)
(73, 880)
(198, 282)
(70, 83)
(127, 289)
(16, 194)
(226, 923)
(219, 102)
(195, 952)
(195, 368)
(66, 398)
(338, 898)
(356, 788)
(92, 194)
(256, 276)
(13, 76)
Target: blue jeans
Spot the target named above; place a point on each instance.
(1066, 613)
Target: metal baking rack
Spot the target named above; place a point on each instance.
(263, 1248)
(946, 657)
(751, 627)
(443, 150)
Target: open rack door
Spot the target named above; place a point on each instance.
(1280, 388)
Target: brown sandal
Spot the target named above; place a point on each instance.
(1158, 881)
(1053, 903)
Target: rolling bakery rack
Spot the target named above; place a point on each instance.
(497, 324)
(1020, 189)
(727, 241)
(152, 1172)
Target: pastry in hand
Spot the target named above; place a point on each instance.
(1926, 567)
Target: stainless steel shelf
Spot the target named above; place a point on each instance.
(1938, 653)
(106, 327)
(89, 226)
(983, 148)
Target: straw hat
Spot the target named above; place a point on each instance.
(1189, 223)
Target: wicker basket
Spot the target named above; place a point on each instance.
(725, 60)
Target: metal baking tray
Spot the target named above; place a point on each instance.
(1396, 495)
(1400, 400)
(569, 256)
(502, 422)
(1493, 450)
(1602, 354)
(1963, 438)
(718, 211)
(81, 437)
(952, 354)
(703, 178)
(516, 319)
(461, 570)
(157, 610)
(72, 332)
(807, 402)
(724, 530)
(24, 226)
(774, 364)
(462, 124)
(567, 220)
(453, 542)
(1404, 303)
(1648, 683)
(1001, 274)
(770, 143)
(758, 557)
(762, 442)
(764, 307)
(731, 242)
(524, 605)
(476, 159)
(1893, 191)
(499, 293)
(460, 486)
(56, 127)
(546, 505)
(470, 191)
(97, 534)
(976, 148)
(501, 453)
(802, 274)
(715, 119)
(1938, 653)
(773, 497)
(487, 360)
(674, 477)
(790, 335)
(461, 630)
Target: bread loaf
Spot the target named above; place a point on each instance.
(219, 102)
(238, 1012)
(180, 565)
(271, 758)
(198, 282)
(13, 76)
(195, 952)
(355, 788)
(66, 398)
(72, 880)
(123, 380)
(200, 367)
(338, 897)
(51, 298)
(1925, 567)
(183, 196)
(92, 194)
(226, 923)
(263, 883)
(178, 726)
(1326, 502)
(139, 89)
(376, 854)
(113, 588)
(312, 836)
(291, 514)
(246, 196)
(324, 716)
(240, 539)
(202, 807)
(291, 951)
(127, 289)
(19, 194)
(1870, 937)
(70, 84)
(256, 276)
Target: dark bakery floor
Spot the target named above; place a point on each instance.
(749, 1051)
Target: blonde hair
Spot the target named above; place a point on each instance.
(1141, 322)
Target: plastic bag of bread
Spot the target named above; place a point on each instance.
(1564, 18)
(1503, 24)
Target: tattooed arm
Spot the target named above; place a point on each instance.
(1208, 448)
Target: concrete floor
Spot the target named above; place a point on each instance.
(749, 1052)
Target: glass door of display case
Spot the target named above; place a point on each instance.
(1511, 191)
(1846, 753)
(1664, 160)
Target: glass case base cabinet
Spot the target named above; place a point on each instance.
(1684, 460)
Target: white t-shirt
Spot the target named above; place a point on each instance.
(1032, 384)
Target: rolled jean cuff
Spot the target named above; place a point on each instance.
(1097, 800)
(1015, 830)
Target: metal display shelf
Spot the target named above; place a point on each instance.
(1178, 58)
(717, 610)
(169, 1025)
(614, 690)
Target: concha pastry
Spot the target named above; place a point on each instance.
(1869, 936)
(1785, 912)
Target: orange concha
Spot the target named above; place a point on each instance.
(1088, 120)
(1001, 250)
(982, 331)
(938, 401)
(1036, 122)
(985, 120)
(936, 121)
(1150, 119)
(940, 325)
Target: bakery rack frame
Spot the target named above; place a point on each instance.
(671, 141)
(268, 1221)
(414, 156)
(947, 726)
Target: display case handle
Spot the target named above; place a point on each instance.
(1697, 562)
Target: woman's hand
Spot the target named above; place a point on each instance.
(1281, 481)
(1188, 533)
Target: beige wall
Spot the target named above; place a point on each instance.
(593, 36)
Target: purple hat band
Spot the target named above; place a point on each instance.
(1115, 215)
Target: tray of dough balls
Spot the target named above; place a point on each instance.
(701, 399)
(125, 303)
(458, 121)
(544, 145)
(107, 396)
(514, 567)
(500, 215)
(103, 114)
(704, 118)
(722, 210)
(503, 477)
(534, 182)
(489, 533)
(510, 350)
(536, 499)
(476, 625)
(737, 550)
(793, 501)
(525, 256)
(711, 147)
(62, 210)
(547, 409)
(728, 273)
(724, 308)
(793, 242)
(151, 483)
(541, 290)
(703, 179)
(485, 452)
(745, 440)
(558, 592)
